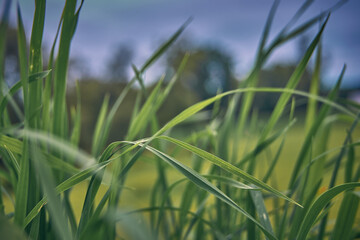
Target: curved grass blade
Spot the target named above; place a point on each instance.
(227, 167)
(319, 204)
(336, 169)
(81, 158)
(15, 164)
(346, 217)
(190, 111)
(207, 186)
(261, 211)
(16, 146)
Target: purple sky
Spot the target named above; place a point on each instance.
(235, 25)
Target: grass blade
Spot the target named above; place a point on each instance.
(206, 185)
(61, 68)
(346, 217)
(21, 193)
(99, 128)
(48, 186)
(292, 83)
(259, 204)
(319, 204)
(160, 51)
(227, 166)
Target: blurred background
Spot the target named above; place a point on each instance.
(222, 39)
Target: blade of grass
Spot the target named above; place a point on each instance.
(206, 185)
(292, 83)
(314, 128)
(47, 182)
(336, 170)
(261, 211)
(149, 62)
(160, 51)
(99, 128)
(314, 89)
(48, 82)
(61, 68)
(21, 191)
(3, 28)
(35, 63)
(319, 204)
(14, 161)
(144, 116)
(346, 217)
(75, 135)
(227, 166)
(16, 146)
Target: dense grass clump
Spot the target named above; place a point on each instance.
(224, 193)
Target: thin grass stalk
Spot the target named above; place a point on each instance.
(335, 173)
(4, 119)
(61, 68)
(3, 28)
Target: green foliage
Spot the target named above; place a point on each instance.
(223, 192)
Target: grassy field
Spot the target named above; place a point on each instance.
(281, 181)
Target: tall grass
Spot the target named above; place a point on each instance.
(223, 195)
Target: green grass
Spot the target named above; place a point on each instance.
(236, 176)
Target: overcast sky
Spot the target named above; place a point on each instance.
(235, 25)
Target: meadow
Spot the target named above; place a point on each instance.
(210, 172)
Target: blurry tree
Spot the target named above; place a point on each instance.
(120, 63)
(208, 70)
